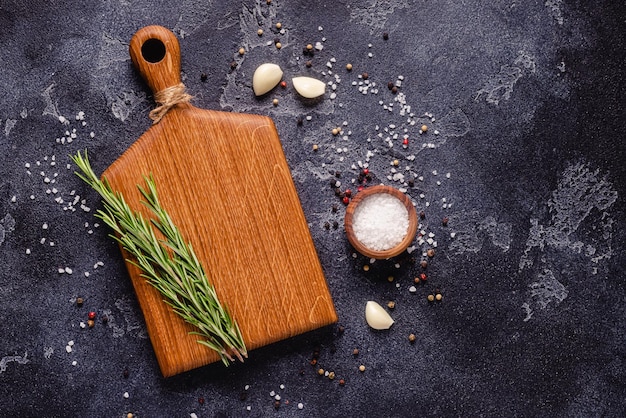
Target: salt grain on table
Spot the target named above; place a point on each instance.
(380, 221)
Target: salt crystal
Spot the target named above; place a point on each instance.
(300, 405)
(412, 289)
(380, 221)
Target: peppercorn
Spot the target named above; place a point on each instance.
(422, 214)
(335, 131)
(313, 362)
(349, 67)
(390, 85)
(326, 225)
(423, 276)
(335, 224)
(201, 400)
(355, 352)
(416, 280)
(91, 323)
(365, 76)
(430, 253)
(125, 373)
(424, 264)
(345, 200)
(309, 47)
(276, 40)
(278, 45)
(259, 32)
(79, 302)
(91, 315)
(308, 64)
(105, 319)
(348, 192)
(366, 267)
(320, 371)
(444, 221)
(233, 65)
(438, 297)
(268, 2)
(203, 77)
(394, 89)
(385, 36)
(242, 51)
(341, 329)
(405, 141)
(335, 208)
(315, 147)
(243, 395)
(276, 404)
(331, 375)
(279, 25)
(430, 298)
(283, 84)
(411, 338)
(390, 279)
(424, 128)
(299, 121)
(391, 304)
(396, 163)
(361, 368)
(342, 382)
(275, 102)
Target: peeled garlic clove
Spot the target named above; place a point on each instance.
(376, 316)
(309, 87)
(265, 78)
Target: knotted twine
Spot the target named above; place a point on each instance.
(166, 99)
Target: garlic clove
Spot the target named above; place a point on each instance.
(309, 87)
(265, 78)
(376, 316)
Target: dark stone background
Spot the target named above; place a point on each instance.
(528, 102)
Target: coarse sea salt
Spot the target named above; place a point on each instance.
(380, 221)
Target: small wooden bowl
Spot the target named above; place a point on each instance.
(391, 252)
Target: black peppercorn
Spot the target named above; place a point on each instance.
(394, 89)
(309, 64)
(385, 36)
(203, 77)
(390, 85)
(422, 215)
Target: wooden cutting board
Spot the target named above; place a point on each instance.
(224, 180)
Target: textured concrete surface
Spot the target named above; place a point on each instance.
(527, 164)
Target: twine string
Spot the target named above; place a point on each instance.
(166, 99)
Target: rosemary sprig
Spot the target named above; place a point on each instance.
(168, 264)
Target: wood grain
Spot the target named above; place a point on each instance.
(406, 241)
(224, 179)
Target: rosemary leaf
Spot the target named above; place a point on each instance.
(169, 264)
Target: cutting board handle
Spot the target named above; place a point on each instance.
(155, 52)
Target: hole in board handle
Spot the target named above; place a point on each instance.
(153, 50)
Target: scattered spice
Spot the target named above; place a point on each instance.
(315, 147)
(91, 323)
(335, 131)
(365, 76)
(349, 67)
(444, 221)
(430, 297)
(411, 338)
(430, 253)
(201, 400)
(242, 51)
(423, 276)
(342, 382)
(331, 375)
(422, 214)
(424, 264)
(279, 45)
(283, 84)
(361, 368)
(309, 64)
(438, 297)
(91, 315)
(385, 36)
(394, 89)
(79, 302)
(391, 304)
(390, 279)
(366, 267)
(309, 47)
(355, 352)
(279, 25)
(320, 372)
(275, 102)
(259, 32)
(424, 128)
(203, 77)
(125, 373)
